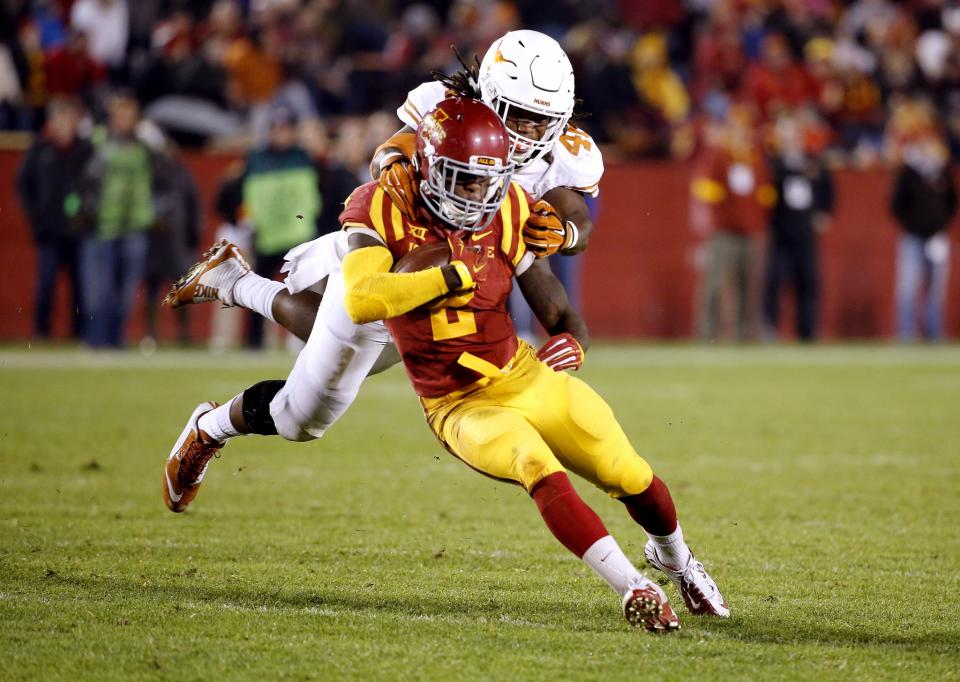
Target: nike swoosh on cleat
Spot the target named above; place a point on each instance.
(174, 497)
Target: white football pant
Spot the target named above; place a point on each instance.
(339, 354)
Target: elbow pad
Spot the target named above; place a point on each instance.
(374, 293)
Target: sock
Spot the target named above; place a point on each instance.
(653, 509)
(609, 562)
(568, 517)
(256, 293)
(217, 424)
(671, 549)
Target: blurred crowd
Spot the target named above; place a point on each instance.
(115, 207)
(651, 75)
(766, 97)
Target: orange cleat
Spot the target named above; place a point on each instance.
(188, 462)
(210, 279)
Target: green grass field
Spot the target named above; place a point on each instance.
(820, 486)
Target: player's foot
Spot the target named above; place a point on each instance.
(211, 279)
(646, 605)
(699, 591)
(188, 462)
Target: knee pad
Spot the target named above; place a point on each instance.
(256, 407)
(627, 475)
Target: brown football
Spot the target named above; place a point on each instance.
(423, 257)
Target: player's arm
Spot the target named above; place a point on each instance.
(572, 207)
(558, 223)
(374, 293)
(398, 148)
(392, 167)
(568, 332)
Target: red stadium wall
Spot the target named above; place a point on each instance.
(640, 273)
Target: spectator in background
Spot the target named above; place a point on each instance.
(282, 200)
(33, 78)
(48, 15)
(226, 323)
(924, 201)
(777, 83)
(71, 72)
(335, 179)
(802, 210)
(182, 90)
(173, 241)
(11, 96)
(107, 26)
(118, 198)
(47, 183)
(663, 93)
(731, 191)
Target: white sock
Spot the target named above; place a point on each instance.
(608, 560)
(671, 549)
(217, 424)
(256, 293)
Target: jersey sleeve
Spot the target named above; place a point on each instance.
(370, 209)
(513, 215)
(577, 162)
(357, 208)
(419, 101)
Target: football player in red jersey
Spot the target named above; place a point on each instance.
(495, 403)
(504, 409)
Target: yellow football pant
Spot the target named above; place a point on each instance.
(525, 422)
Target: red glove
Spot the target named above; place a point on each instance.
(561, 352)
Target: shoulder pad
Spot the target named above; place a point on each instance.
(419, 101)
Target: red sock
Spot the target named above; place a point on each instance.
(568, 517)
(653, 509)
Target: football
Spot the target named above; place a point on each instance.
(423, 257)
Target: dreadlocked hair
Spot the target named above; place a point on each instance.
(463, 83)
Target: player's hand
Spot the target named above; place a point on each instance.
(545, 233)
(399, 181)
(561, 352)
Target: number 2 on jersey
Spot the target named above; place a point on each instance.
(444, 329)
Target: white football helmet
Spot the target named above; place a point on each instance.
(528, 70)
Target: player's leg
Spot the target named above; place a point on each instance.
(806, 286)
(938, 276)
(207, 430)
(497, 441)
(581, 429)
(222, 274)
(323, 383)
(774, 275)
(329, 370)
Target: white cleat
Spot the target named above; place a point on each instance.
(212, 278)
(699, 591)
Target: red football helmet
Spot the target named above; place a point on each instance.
(463, 155)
